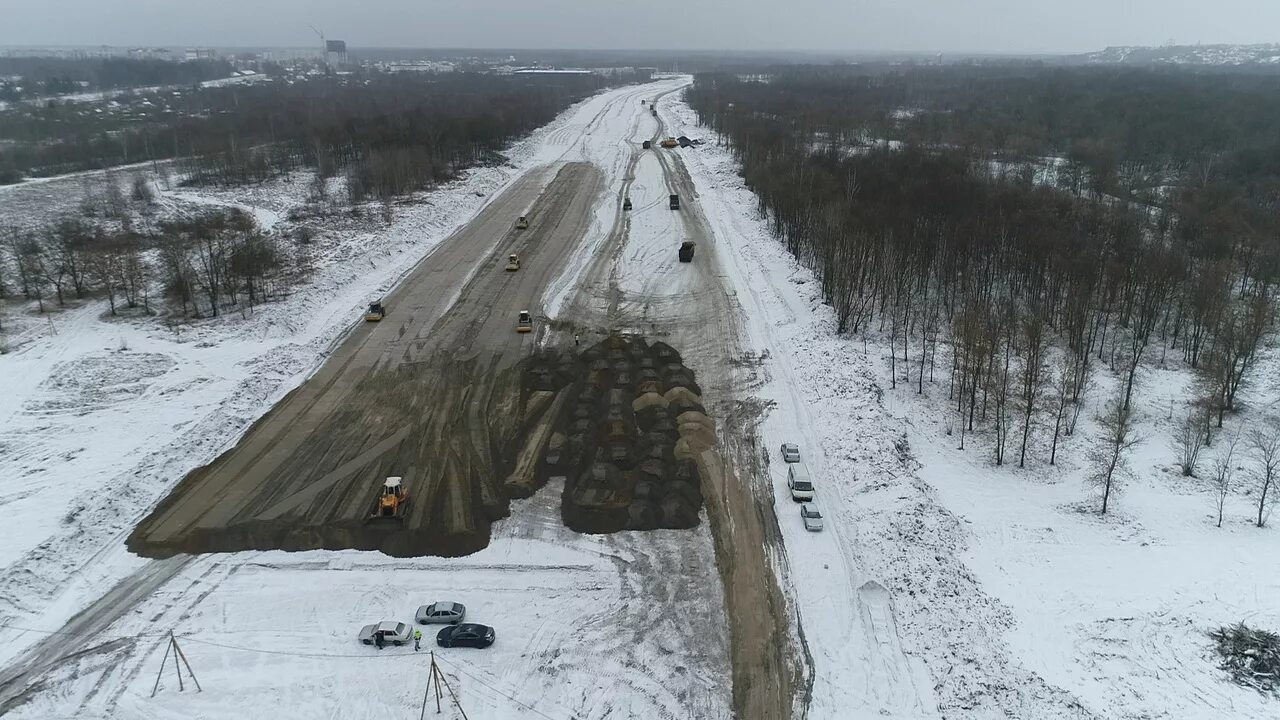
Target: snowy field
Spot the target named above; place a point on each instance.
(577, 634)
(106, 415)
(1017, 601)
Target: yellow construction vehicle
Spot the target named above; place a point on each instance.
(524, 323)
(513, 263)
(376, 312)
(670, 143)
(392, 500)
(522, 223)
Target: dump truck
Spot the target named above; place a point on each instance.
(686, 251)
(670, 143)
(522, 223)
(376, 312)
(626, 203)
(674, 202)
(392, 501)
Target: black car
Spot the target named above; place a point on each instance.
(466, 635)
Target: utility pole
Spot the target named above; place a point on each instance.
(172, 648)
(439, 684)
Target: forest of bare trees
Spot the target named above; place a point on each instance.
(388, 133)
(1032, 251)
(384, 134)
(203, 263)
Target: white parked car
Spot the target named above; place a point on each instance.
(391, 632)
(790, 452)
(442, 613)
(811, 516)
(798, 482)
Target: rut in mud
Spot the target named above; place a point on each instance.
(622, 422)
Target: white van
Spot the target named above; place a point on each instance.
(798, 482)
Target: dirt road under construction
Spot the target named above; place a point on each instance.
(407, 396)
(437, 393)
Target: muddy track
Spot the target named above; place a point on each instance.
(702, 323)
(423, 394)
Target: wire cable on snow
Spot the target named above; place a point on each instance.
(294, 653)
(439, 659)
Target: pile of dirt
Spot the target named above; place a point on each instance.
(634, 416)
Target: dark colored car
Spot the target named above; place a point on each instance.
(466, 635)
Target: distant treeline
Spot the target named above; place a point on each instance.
(388, 133)
(1130, 128)
(1032, 271)
(33, 77)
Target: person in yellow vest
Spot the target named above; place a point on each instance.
(417, 639)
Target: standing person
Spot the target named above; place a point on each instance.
(417, 639)
(575, 341)
(377, 640)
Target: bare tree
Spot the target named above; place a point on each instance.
(1032, 376)
(1063, 380)
(1235, 347)
(1188, 440)
(1116, 431)
(31, 260)
(1265, 443)
(1081, 385)
(1223, 474)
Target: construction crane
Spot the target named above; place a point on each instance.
(324, 45)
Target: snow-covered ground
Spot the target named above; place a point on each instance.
(1116, 610)
(577, 633)
(101, 417)
(1019, 603)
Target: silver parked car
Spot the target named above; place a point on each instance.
(392, 633)
(811, 516)
(790, 452)
(447, 613)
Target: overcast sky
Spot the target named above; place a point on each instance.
(941, 25)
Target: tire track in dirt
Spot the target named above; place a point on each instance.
(703, 325)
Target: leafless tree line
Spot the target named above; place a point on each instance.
(1033, 289)
(205, 263)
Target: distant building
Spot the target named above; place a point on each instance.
(335, 52)
(144, 53)
(552, 71)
